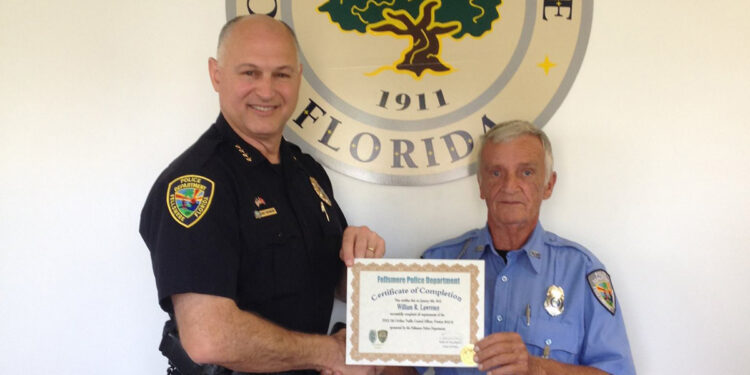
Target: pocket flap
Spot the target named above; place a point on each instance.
(559, 335)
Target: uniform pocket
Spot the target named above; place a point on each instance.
(266, 242)
(282, 261)
(563, 338)
(327, 263)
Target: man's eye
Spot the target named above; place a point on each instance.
(283, 75)
(495, 173)
(528, 172)
(251, 73)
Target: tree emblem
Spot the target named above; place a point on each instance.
(424, 23)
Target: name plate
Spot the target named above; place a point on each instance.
(414, 312)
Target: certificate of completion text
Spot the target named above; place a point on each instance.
(409, 312)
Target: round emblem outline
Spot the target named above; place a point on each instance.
(579, 52)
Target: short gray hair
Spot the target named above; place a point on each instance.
(510, 130)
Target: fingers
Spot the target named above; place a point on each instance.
(375, 247)
(360, 242)
(340, 336)
(502, 353)
(515, 362)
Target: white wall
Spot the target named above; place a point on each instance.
(97, 97)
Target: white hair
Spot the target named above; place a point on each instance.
(510, 130)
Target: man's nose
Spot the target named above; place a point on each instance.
(509, 183)
(265, 88)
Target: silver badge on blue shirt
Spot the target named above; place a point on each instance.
(555, 301)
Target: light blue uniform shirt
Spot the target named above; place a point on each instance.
(586, 333)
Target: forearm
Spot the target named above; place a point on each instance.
(257, 345)
(541, 366)
(213, 330)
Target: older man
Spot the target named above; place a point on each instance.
(247, 242)
(550, 306)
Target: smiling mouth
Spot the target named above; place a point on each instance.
(262, 108)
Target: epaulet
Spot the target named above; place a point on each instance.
(309, 163)
(199, 152)
(295, 149)
(186, 179)
(452, 245)
(557, 242)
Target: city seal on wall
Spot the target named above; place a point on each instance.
(400, 91)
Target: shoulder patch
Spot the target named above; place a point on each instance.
(188, 198)
(601, 286)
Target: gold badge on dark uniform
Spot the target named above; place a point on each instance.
(319, 191)
(555, 301)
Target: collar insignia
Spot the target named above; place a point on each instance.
(188, 198)
(601, 286)
(319, 191)
(243, 153)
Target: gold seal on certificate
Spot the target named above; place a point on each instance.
(467, 355)
(414, 312)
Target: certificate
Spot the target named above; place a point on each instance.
(410, 312)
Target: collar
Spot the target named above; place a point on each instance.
(535, 249)
(244, 150)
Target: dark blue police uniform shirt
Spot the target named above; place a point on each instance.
(222, 220)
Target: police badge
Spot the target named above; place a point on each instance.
(319, 190)
(555, 301)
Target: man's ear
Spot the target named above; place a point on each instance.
(550, 185)
(214, 73)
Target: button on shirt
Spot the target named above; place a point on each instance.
(585, 333)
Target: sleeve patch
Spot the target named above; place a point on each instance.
(601, 286)
(188, 198)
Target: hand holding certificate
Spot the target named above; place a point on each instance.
(407, 312)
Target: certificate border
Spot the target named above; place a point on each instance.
(357, 268)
